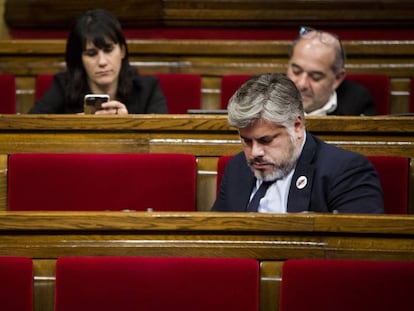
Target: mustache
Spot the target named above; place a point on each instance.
(260, 161)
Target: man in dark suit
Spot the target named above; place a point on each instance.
(317, 66)
(294, 170)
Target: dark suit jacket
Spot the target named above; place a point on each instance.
(337, 180)
(146, 97)
(354, 100)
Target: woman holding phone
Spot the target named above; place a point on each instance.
(97, 63)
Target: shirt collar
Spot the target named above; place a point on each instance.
(327, 108)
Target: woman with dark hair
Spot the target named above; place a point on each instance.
(97, 63)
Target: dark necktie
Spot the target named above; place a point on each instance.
(254, 203)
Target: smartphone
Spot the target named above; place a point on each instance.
(93, 102)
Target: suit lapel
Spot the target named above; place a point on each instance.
(245, 188)
(302, 180)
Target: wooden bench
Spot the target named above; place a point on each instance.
(23, 14)
(205, 136)
(211, 59)
(269, 238)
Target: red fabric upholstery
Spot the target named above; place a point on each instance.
(153, 284)
(43, 82)
(7, 93)
(102, 182)
(16, 284)
(379, 87)
(393, 173)
(230, 83)
(344, 285)
(221, 165)
(182, 91)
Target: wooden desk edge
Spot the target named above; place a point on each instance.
(206, 222)
(184, 122)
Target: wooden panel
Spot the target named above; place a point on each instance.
(31, 14)
(270, 282)
(224, 13)
(269, 238)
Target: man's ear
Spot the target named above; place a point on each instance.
(339, 78)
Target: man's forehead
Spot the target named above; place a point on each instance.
(261, 128)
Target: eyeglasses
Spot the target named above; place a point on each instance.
(325, 37)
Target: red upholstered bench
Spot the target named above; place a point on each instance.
(230, 83)
(182, 91)
(7, 93)
(393, 172)
(161, 182)
(379, 86)
(344, 285)
(16, 284)
(42, 84)
(159, 283)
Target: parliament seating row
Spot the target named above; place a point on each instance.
(377, 84)
(196, 283)
(144, 181)
(184, 90)
(393, 172)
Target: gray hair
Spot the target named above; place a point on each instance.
(273, 97)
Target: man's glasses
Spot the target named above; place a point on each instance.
(325, 37)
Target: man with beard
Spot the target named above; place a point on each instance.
(294, 170)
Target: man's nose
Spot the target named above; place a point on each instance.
(302, 81)
(257, 149)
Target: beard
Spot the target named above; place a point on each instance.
(281, 169)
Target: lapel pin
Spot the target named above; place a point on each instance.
(301, 182)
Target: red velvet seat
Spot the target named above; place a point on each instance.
(153, 284)
(221, 166)
(42, 84)
(393, 173)
(7, 93)
(162, 182)
(230, 83)
(182, 91)
(344, 285)
(379, 87)
(16, 284)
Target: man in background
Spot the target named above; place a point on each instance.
(317, 67)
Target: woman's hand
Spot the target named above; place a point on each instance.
(112, 107)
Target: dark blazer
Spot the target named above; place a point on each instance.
(146, 97)
(337, 180)
(354, 100)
